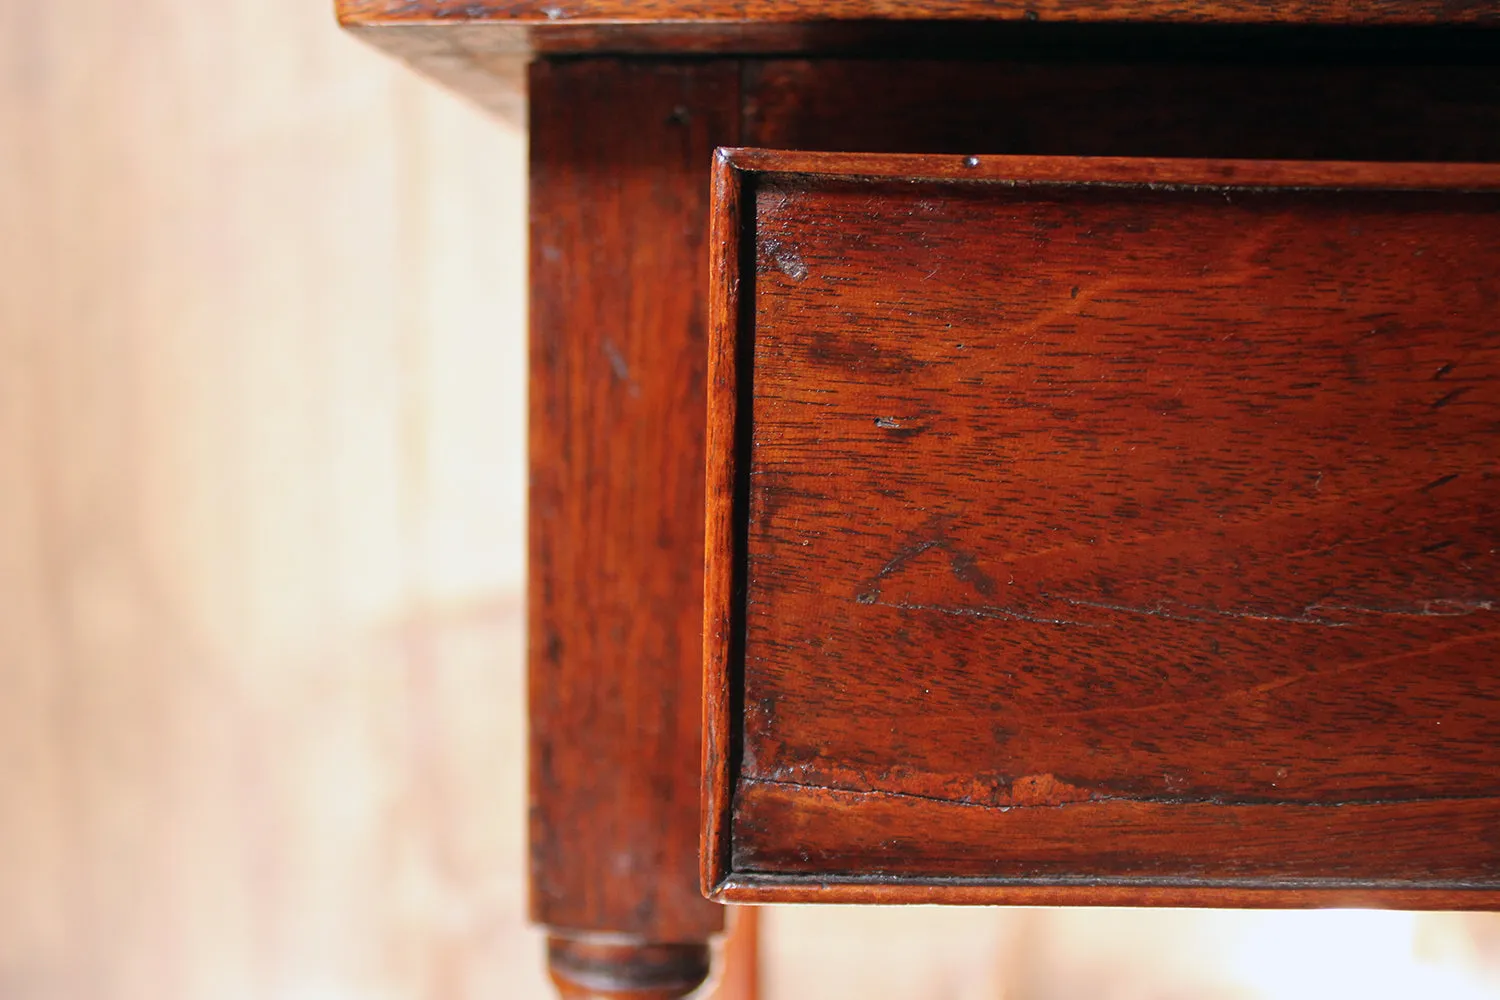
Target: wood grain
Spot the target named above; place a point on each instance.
(615, 12)
(481, 50)
(619, 210)
(1107, 522)
(726, 506)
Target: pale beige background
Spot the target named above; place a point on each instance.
(262, 403)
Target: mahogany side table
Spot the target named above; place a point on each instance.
(627, 101)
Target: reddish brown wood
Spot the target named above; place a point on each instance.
(619, 205)
(1174, 84)
(1105, 530)
(585, 968)
(481, 49)
(625, 12)
(884, 891)
(726, 499)
(739, 977)
(1014, 171)
(597, 966)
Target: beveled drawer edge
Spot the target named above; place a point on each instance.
(726, 504)
(741, 887)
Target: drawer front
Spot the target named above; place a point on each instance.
(1104, 531)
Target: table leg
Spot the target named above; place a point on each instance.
(620, 158)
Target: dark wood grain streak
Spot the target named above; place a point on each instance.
(1111, 521)
(619, 208)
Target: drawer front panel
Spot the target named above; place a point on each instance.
(1133, 524)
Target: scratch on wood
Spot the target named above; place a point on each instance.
(620, 367)
(963, 565)
(900, 427)
(1195, 613)
(1438, 404)
(1317, 614)
(1440, 607)
(786, 259)
(973, 611)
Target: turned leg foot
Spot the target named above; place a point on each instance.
(585, 969)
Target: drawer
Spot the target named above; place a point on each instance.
(1106, 531)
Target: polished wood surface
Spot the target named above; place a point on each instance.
(1124, 523)
(618, 348)
(481, 49)
(625, 12)
(1242, 104)
(1337, 83)
(260, 528)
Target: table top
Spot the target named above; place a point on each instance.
(480, 49)
(625, 13)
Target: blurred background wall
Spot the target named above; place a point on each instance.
(262, 402)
